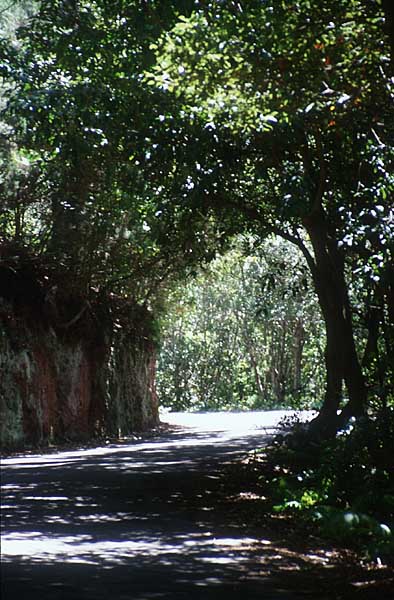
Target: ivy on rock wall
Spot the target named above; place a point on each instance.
(90, 378)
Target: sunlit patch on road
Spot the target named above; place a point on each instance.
(37, 546)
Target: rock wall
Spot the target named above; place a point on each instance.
(95, 377)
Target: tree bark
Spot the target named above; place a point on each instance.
(388, 7)
(342, 362)
(328, 272)
(299, 340)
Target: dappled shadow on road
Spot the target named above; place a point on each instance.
(146, 520)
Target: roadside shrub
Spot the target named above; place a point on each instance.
(345, 486)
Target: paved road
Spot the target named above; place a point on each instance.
(140, 520)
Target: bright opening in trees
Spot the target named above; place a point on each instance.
(245, 334)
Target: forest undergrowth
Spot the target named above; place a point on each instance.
(341, 490)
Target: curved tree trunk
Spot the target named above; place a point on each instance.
(342, 362)
(299, 340)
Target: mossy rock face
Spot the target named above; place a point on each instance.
(11, 413)
(75, 379)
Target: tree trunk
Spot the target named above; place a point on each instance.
(249, 347)
(388, 8)
(342, 362)
(299, 340)
(256, 373)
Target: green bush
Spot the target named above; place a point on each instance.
(345, 486)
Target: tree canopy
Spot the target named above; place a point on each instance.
(306, 102)
(137, 138)
(77, 137)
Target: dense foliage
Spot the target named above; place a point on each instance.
(245, 334)
(343, 487)
(76, 137)
(137, 139)
(301, 110)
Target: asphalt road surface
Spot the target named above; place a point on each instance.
(141, 519)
